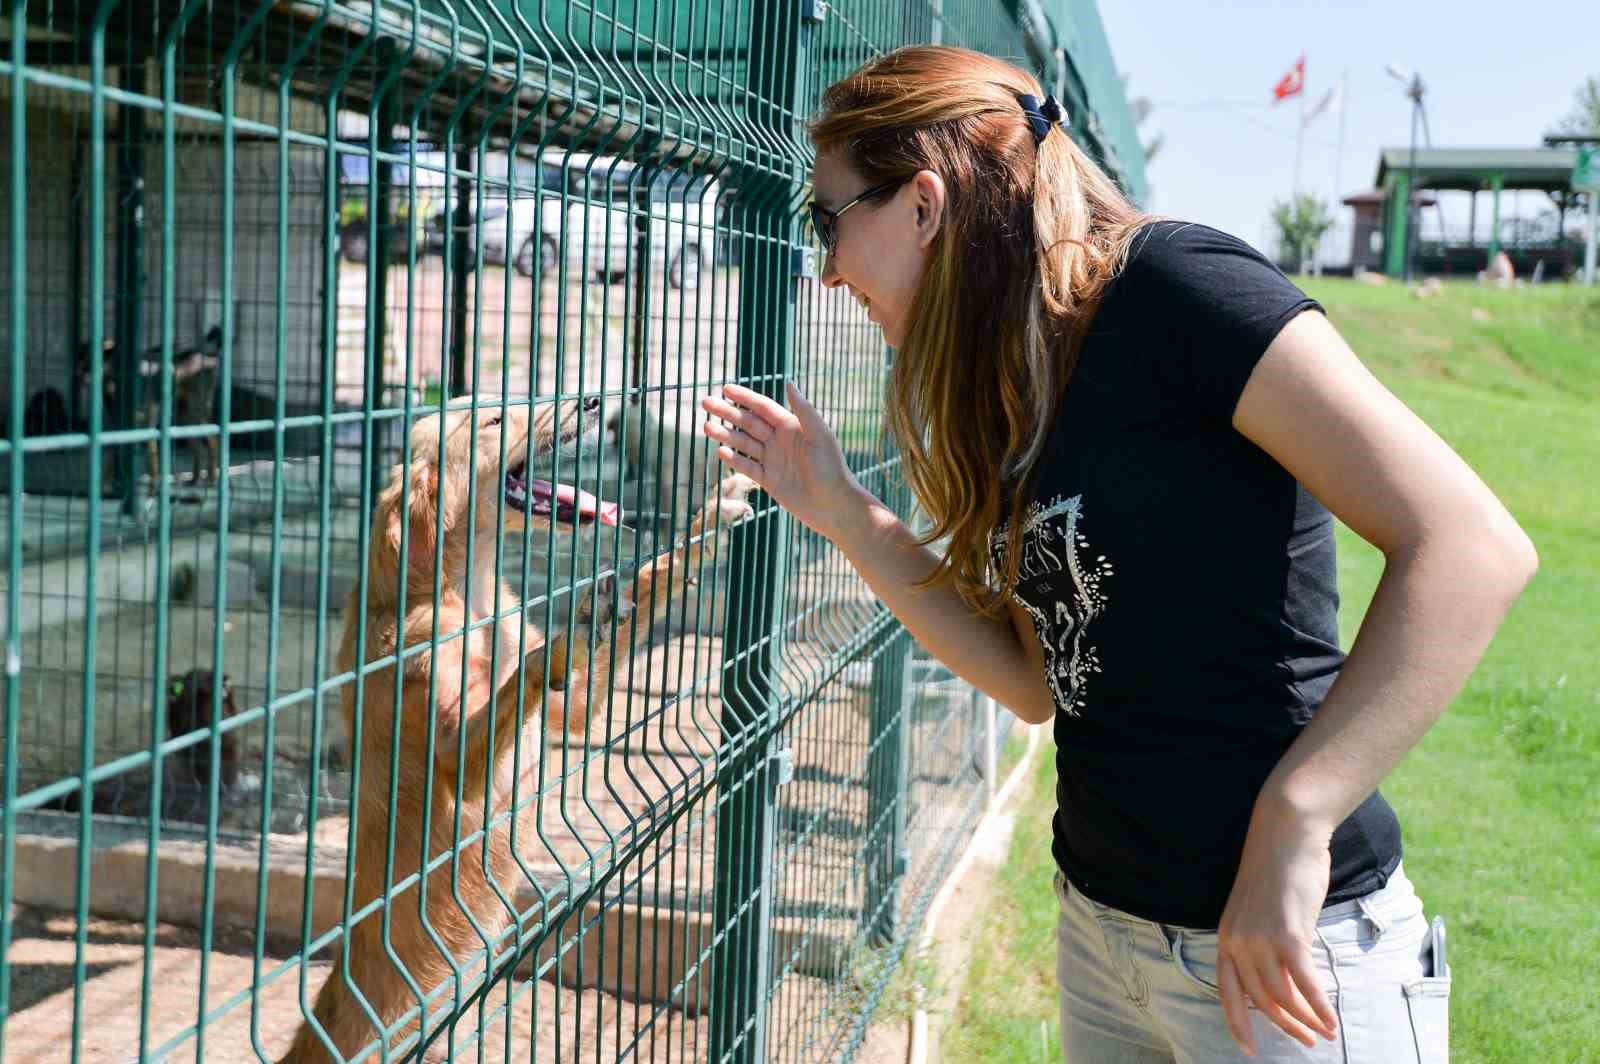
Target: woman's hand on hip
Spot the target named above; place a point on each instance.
(1268, 927)
(791, 453)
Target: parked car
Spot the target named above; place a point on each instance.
(599, 212)
(353, 229)
(354, 173)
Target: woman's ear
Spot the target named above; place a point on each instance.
(928, 187)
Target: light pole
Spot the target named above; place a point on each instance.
(1414, 89)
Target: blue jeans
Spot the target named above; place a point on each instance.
(1137, 992)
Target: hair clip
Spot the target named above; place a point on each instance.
(1041, 116)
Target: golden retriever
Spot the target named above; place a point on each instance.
(477, 710)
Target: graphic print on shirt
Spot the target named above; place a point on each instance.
(1066, 589)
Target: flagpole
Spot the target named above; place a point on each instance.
(1338, 160)
(1294, 84)
(1299, 140)
(1299, 137)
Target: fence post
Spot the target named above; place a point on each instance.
(634, 380)
(991, 748)
(77, 254)
(747, 775)
(380, 184)
(463, 251)
(884, 859)
(130, 286)
(756, 582)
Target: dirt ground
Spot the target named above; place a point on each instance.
(563, 1023)
(545, 1022)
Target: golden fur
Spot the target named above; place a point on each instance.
(460, 660)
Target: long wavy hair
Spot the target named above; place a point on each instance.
(1030, 239)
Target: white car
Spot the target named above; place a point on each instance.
(599, 210)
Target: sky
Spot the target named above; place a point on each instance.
(1495, 75)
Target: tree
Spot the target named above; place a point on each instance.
(1585, 114)
(1141, 106)
(1301, 222)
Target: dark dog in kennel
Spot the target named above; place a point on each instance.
(194, 394)
(46, 414)
(189, 699)
(186, 772)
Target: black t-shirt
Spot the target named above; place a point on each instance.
(1183, 585)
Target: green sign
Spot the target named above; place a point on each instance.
(1586, 172)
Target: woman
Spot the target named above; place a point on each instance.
(1131, 434)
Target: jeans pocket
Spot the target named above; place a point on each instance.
(1195, 955)
(1428, 1003)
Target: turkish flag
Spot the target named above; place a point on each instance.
(1291, 83)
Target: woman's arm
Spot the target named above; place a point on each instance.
(1002, 658)
(797, 460)
(1455, 561)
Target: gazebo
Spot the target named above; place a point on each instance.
(1476, 170)
(1366, 235)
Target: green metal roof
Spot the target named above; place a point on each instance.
(1091, 89)
(1080, 31)
(1471, 167)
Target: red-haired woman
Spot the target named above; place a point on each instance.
(1130, 433)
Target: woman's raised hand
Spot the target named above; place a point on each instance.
(790, 452)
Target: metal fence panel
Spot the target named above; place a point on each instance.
(286, 716)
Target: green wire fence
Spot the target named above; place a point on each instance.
(248, 248)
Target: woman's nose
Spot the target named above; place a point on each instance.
(830, 277)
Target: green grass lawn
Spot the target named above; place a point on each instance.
(1501, 801)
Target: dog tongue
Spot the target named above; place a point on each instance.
(607, 513)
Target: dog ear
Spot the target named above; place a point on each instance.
(422, 511)
(392, 520)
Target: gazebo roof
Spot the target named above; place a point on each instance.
(1471, 168)
(1379, 195)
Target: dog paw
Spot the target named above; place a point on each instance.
(731, 497)
(602, 602)
(736, 486)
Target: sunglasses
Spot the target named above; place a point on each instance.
(826, 222)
